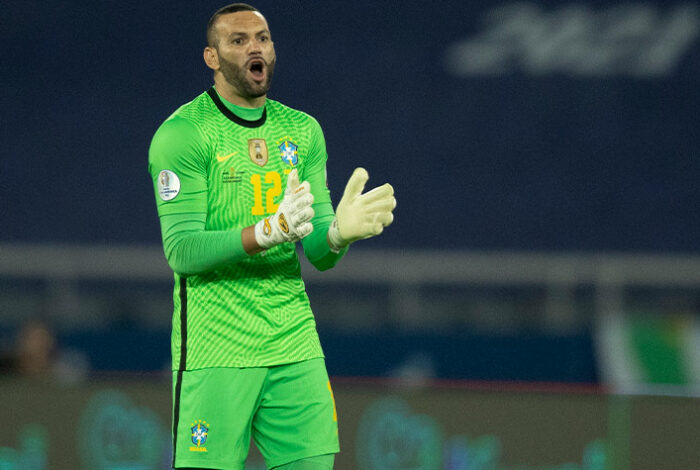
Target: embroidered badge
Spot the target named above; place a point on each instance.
(288, 151)
(200, 434)
(257, 151)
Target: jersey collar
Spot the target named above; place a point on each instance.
(229, 114)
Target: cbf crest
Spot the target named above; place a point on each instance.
(200, 434)
(289, 151)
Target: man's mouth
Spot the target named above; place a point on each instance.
(256, 67)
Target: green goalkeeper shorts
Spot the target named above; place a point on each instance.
(288, 410)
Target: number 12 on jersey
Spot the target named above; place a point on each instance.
(272, 188)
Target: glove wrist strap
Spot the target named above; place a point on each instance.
(335, 241)
(263, 233)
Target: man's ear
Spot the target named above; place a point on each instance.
(211, 58)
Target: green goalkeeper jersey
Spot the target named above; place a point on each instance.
(216, 169)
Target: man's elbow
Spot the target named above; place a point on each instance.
(175, 260)
(324, 263)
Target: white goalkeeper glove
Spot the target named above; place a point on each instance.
(360, 215)
(292, 221)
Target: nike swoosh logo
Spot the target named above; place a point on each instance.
(225, 157)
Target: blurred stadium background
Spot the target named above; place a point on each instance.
(535, 305)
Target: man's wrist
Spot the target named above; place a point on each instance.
(249, 242)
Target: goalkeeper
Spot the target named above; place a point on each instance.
(239, 179)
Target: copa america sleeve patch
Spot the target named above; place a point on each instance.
(168, 185)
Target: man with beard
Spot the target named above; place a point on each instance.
(239, 179)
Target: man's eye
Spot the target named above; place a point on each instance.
(238, 41)
(264, 38)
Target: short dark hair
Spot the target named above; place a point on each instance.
(232, 8)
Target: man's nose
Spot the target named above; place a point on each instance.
(255, 47)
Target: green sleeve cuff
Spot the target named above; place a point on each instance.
(315, 245)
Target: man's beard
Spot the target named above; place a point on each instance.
(236, 77)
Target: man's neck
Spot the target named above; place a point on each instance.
(229, 94)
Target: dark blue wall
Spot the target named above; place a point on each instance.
(523, 357)
(519, 158)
